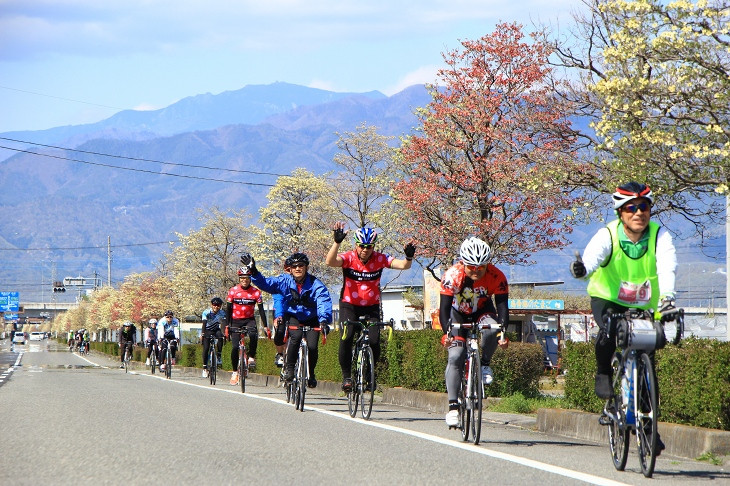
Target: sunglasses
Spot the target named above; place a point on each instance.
(365, 247)
(475, 268)
(632, 208)
(298, 265)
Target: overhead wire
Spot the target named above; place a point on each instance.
(139, 170)
(139, 159)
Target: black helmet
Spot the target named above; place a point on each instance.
(168, 313)
(297, 258)
(216, 301)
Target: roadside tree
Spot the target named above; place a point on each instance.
(492, 156)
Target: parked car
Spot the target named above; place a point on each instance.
(19, 337)
(36, 336)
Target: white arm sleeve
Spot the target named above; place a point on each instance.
(597, 251)
(666, 263)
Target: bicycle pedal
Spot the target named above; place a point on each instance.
(604, 420)
(453, 427)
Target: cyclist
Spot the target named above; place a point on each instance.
(71, 338)
(168, 328)
(306, 302)
(150, 340)
(127, 338)
(630, 263)
(360, 295)
(466, 292)
(240, 311)
(86, 340)
(212, 320)
(79, 338)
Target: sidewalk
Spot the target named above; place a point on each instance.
(680, 440)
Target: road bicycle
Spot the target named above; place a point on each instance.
(153, 356)
(471, 389)
(127, 355)
(213, 360)
(242, 358)
(634, 406)
(363, 368)
(297, 389)
(167, 358)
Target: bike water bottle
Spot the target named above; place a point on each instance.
(627, 382)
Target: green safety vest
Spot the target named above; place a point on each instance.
(629, 282)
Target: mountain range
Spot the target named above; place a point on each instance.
(74, 196)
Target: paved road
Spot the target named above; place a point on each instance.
(75, 420)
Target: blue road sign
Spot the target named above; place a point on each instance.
(536, 304)
(9, 301)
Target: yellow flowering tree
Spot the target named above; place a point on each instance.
(655, 80)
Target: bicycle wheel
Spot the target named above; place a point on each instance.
(126, 359)
(212, 364)
(302, 372)
(243, 368)
(354, 396)
(153, 361)
(464, 415)
(367, 392)
(168, 362)
(476, 392)
(618, 432)
(647, 412)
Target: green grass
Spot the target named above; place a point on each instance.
(711, 458)
(517, 403)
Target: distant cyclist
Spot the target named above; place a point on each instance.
(127, 338)
(306, 302)
(213, 318)
(150, 340)
(168, 334)
(360, 295)
(467, 289)
(240, 316)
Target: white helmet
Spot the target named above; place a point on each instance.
(474, 251)
(153, 321)
(631, 190)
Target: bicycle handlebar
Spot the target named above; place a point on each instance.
(366, 323)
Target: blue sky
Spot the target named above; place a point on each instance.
(67, 62)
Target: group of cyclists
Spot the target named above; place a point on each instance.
(630, 263)
(79, 340)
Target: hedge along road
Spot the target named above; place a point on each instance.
(68, 420)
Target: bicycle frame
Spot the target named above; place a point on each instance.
(634, 405)
(213, 360)
(242, 360)
(298, 387)
(363, 369)
(472, 392)
(167, 361)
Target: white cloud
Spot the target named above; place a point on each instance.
(422, 75)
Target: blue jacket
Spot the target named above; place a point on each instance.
(313, 303)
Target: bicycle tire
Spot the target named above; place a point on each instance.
(464, 415)
(212, 364)
(242, 367)
(647, 412)
(475, 398)
(367, 382)
(153, 360)
(126, 359)
(302, 372)
(618, 432)
(168, 362)
(353, 397)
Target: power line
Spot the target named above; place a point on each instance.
(138, 159)
(61, 98)
(109, 166)
(102, 247)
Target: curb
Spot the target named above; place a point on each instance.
(680, 440)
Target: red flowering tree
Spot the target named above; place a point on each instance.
(491, 156)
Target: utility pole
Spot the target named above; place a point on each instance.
(109, 261)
